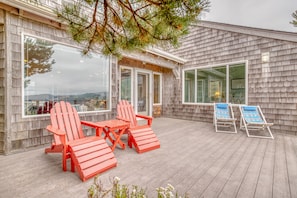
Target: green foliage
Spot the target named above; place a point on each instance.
(118, 190)
(116, 25)
(294, 15)
(38, 56)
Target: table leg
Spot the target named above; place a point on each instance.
(99, 131)
(107, 135)
(118, 135)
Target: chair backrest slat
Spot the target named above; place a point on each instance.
(65, 118)
(125, 110)
(74, 121)
(55, 116)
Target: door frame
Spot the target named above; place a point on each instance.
(149, 91)
(134, 94)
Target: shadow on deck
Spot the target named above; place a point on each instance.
(193, 158)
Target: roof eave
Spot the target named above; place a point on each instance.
(166, 55)
(274, 34)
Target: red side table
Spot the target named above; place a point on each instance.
(113, 130)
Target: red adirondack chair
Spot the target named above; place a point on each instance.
(89, 155)
(142, 137)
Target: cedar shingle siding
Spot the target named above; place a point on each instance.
(273, 86)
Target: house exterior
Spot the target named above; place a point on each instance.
(240, 65)
(41, 65)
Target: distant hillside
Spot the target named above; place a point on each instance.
(47, 97)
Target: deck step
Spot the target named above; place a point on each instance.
(92, 157)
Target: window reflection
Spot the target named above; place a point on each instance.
(55, 72)
(237, 84)
(215, 84)
(157, 89)
(209, 85)
(189, 86)
(126, 89)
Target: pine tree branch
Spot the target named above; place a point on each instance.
(119, 25)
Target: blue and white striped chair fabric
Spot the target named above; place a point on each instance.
(252, 118)
(222, 111)
(251, 114)
(224, 118)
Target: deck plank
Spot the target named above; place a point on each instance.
(192, 157)
(249, 184)
(265, 180)
(213, 165)
(203, 159)
(219, 181)
(233, 185)
(291, 153)
(281, 187)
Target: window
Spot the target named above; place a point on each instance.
(55, 72)
(215, 84)
(157, 88)
(189, 86)
(237, 84)
(126, 84)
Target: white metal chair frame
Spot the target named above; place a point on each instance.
(258, 122)
(224, 118)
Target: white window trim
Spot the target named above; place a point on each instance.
(150, 89)
(227, 83)
(161, 88)
(132, 82)
(23, 34)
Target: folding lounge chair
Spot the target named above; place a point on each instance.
(223, 118)
(142, 137)
(252, 119)
(89, 155)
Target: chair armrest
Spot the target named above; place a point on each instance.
(120, 118)
(144, 117)
(148, 118)
(55, 131)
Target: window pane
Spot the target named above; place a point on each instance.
(189, 89)
(200, 90)
(157, 88)
(237, 84)
(126, 89)
(211, 85)
(55, 72)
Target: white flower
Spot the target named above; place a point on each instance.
(116, 179)
(170, 187)
(171, 194)
(162, 189)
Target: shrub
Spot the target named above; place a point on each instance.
(118, 190)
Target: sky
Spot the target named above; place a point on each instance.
(267, 14)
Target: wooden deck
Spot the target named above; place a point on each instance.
(193, 158)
